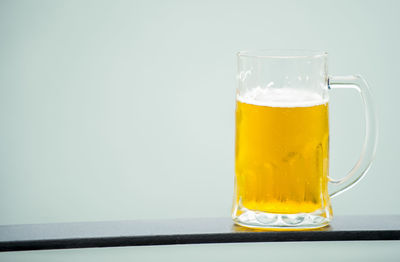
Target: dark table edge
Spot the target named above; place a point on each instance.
(198, 239)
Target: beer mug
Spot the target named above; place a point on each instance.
(282, 139)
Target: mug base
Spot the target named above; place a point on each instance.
(299, 221)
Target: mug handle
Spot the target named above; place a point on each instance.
(359, 170)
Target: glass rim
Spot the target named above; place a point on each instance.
(282, 53)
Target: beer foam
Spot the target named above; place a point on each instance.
(281, 97)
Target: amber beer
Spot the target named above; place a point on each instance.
(282, 150)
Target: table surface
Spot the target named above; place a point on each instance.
(185, 231)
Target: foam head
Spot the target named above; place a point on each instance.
(281, 97)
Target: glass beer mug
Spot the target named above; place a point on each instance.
(282, 139)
